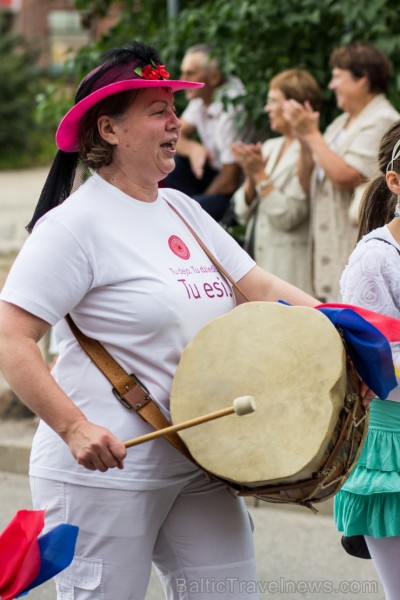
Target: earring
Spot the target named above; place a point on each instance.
(397, 208)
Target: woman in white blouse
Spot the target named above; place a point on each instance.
(333, 165)
(369, 502)
(271, 201)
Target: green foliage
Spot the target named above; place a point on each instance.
(20, 136)
(16, 84)
(256, 39)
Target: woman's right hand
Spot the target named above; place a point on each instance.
(94, 447)
(303, 119)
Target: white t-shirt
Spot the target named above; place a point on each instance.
(132, 276)
(219, 126)
(372, 280)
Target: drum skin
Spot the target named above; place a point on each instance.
(293, 362)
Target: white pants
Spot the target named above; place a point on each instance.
(197, 533)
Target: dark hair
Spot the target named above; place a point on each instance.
(363, 60)
(378, 202)
(113, 63)
(66, 168)
(95, 151)
(300, 85)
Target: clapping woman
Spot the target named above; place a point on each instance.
(333, 165)
(271, 202)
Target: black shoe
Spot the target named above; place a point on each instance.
(355, 545)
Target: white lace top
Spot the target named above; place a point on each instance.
(371, 278)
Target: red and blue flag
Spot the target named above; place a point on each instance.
(28, 559)
(373, 344)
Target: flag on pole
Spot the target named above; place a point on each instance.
(27, 560)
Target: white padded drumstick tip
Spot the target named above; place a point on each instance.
(244, 405)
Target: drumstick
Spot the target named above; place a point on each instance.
(241, 406)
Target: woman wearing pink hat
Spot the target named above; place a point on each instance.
(117, 254)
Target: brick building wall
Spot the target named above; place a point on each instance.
(55, 26)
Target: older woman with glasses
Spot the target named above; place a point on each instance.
(271, 202)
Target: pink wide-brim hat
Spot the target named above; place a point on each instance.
(67, 135)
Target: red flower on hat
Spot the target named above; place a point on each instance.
(152, 71)
(163, 72)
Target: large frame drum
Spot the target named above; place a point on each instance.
(309, 426)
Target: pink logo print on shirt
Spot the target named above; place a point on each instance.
(178, 247)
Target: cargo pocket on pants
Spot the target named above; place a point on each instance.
(82, 580)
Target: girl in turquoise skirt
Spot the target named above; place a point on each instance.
(369, 502)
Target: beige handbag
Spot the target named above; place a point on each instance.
(354, 208)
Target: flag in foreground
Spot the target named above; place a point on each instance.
(27, 560)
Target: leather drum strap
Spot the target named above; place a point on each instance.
(126, 387)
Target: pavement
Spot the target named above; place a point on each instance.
(19, 193)
(299, 555)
